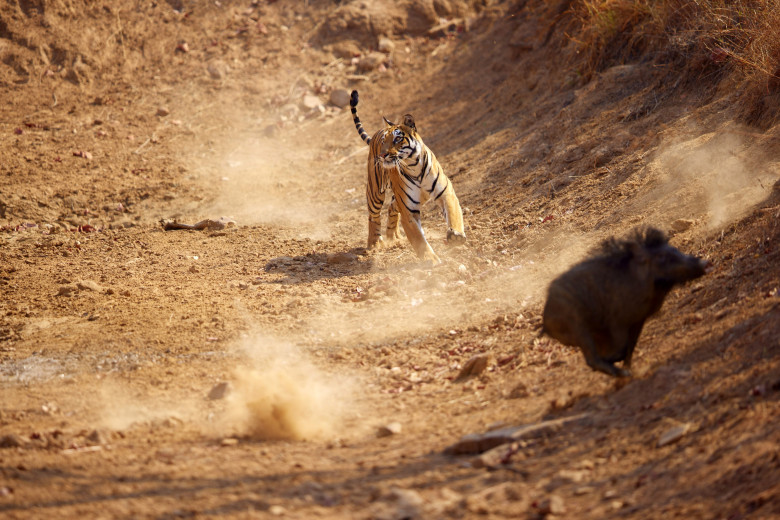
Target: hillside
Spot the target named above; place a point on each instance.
(275, 368)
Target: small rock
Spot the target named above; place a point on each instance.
(673, 434)
(163, 111)
(341, 258)
(89, 285)
(277, 510)
(67, 290)
(11, 441)
(310, 102)
(393, 428)
(682, 224)
(217, 69)
(371, 61)
(408, 503)
(97, 437)
(230, 441)
(339, 97)
(519, 391)
(386, 45)
(473, 367)
(552, 506)
(219, 391)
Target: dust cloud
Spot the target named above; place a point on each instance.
(465, 290)
(282, 395)
(714, 179)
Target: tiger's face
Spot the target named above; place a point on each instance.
(398, 142)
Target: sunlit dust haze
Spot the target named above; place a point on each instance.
(715, 178)
(280, 394)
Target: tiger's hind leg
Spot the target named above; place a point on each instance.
(449, 204)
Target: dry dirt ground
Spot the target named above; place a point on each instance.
(263, 370)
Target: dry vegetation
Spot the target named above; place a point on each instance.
(739, 39)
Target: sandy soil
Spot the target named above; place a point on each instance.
(274, 368)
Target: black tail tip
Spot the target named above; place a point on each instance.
(353, 100)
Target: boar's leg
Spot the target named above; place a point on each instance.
(633, 336)
(595, 362)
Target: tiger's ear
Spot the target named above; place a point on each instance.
(387, 121)
(409, 121)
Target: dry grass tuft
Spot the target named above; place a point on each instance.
(705, 40)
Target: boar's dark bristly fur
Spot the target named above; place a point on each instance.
(600, 305)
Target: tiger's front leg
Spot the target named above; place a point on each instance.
(409, 209)
(450, 205)
(393, 232)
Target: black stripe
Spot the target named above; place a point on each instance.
(440, 194)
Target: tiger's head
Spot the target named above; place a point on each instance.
(398, 142)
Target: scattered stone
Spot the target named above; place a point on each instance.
(386, 45)
(310, 102)
(372, 61)
(219, 391)
(67, 290)
(11, 441)
(341, 258)
(230, 441)
(393, 428)
(277, 510)
(339, 97)
(682, 225)
(89, 285)
(480, 442)
(553, 505)
(493, 458)
(519, 391)
(217, 69)
(97, 437)
(408, 503)
(163, 111)
(207, 224)
(673, 434)
(473, 367)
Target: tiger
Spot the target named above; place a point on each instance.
(399, 159)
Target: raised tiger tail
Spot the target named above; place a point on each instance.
(353, 101)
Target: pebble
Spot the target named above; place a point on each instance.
(163, 111)
(11, 441)
(371, 62)
(341, 258)
(277, 510)
(230, 441)
(89, 285)
(97, 437)
(310, 102)
(217, 69)
(393, 428)
(219, 391)
(473, 367)
(673, 434)
(339, 97)
(67, 290)
(386, 45)
(553, 505)
(682, 224)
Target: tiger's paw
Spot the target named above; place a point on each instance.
(455, 238)
(429, 257)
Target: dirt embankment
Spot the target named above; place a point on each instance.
(274, 368)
